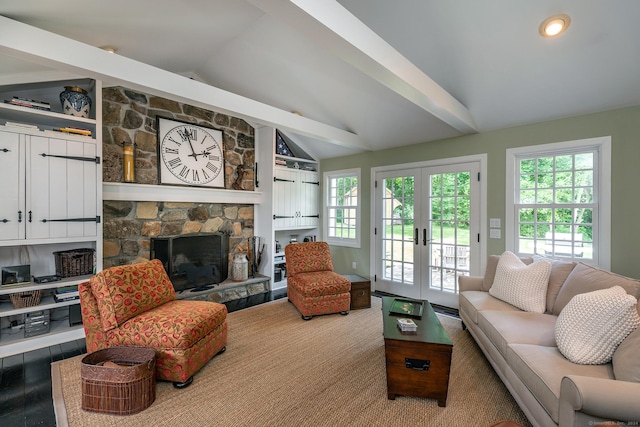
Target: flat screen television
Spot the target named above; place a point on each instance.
(193, 261)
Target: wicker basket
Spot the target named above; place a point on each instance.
(123, 390)
(26, 299)
(76, 262)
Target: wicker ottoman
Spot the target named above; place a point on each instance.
(125, 389)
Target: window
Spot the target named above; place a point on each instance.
(558, 201)
(342, 217)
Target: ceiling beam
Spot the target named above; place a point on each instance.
(52, 50)
(333, 27)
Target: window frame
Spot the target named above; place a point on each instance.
(602, 192)
(342, 241)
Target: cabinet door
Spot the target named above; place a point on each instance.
(309, 199)
(61, 189)
(12, 212)
(285, 199)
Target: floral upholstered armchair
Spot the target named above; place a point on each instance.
(135, 305)
(312, 285)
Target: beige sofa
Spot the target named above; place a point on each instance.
(521, 347)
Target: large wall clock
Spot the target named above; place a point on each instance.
(189, 154)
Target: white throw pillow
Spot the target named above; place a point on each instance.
(521, 285)
(592, 325)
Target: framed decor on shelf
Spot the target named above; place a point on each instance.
(189, 154)
(407, 307)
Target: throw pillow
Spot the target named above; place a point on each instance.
(593, 324)
(490, 272)
(521, 285)
(626, 363)
(560, 270)
(586, 278)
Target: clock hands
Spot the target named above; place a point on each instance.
(193, 152)
(207, 151)
(187, 135)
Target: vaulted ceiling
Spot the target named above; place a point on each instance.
(381, 73)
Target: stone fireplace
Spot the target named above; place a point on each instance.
(130, 117)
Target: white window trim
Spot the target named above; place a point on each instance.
(327, 176)
(603, 146)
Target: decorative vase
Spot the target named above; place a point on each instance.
(129, 162)
(75, 101)
(239, 268)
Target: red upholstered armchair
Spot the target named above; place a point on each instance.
(135, 305)
(312, 285)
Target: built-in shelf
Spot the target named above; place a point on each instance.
(176, 193)
(69, 281)
(14, 342)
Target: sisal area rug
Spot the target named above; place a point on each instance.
(280, 370)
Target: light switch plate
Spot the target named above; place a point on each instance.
(494, 222)
(494, 233)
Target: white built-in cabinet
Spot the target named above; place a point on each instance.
(51, 201)
(51, 189)
(290, 208)
(296, 198)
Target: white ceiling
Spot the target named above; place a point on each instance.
(392, 73)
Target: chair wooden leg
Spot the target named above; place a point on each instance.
(181, 385)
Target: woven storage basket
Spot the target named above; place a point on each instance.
(76, 262)
(26, 299)
(123, 390)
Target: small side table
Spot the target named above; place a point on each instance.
(360, 291)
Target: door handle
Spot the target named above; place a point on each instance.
(415, 237)
(424, 236)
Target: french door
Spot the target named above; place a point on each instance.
(426, 230)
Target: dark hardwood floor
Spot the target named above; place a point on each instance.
(25, 379)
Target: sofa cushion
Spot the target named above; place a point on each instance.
(542, 368)
(177, 324)
(123, 292)
(471, 302)
(593, 324)
(490, 271)
(521, 285)
(586, 278)
(626, 363)
(560, 270)
(521, 327)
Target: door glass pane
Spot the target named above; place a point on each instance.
(449, 218)
(398, 230)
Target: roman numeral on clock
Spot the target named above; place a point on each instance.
(196, 177)
(213, 168)
(174, 163)
(187, 134)
(184, 172)
(171, 150)
(205, 175)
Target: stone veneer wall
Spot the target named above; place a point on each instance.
(130, 116)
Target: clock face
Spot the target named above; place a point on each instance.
(190, 154)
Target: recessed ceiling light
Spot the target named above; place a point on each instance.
(109, 49)
(555, 25)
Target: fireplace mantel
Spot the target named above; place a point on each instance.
(174, 193)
